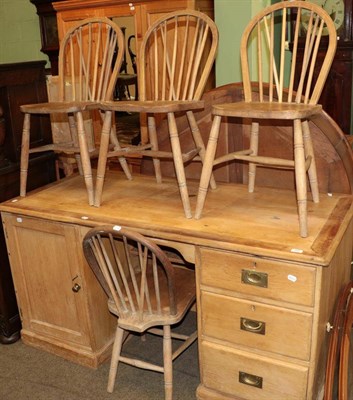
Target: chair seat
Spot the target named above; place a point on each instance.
(184, 281)
(289, 111)
(152, 106)
(59, 107)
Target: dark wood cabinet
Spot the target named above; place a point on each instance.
(336, 98)
(48, 31)
(20, 83)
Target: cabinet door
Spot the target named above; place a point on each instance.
(46, 266)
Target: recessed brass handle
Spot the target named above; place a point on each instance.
(255, 278)
(253, 326)
(251, 380)
(76, 288)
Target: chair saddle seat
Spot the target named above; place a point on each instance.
(184, 287)
(151, 106)
(59, 107)
(260, 110)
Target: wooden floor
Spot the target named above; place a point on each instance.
(266, 219)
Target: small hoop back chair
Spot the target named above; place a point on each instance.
(264, 40)
(88, 71)
(175, 60)
(144, 290)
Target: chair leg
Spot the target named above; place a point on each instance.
(207, 166)
(151, 122)
(254, 147)
(167, 362)
(309, 152)
(85, 158)
(199, 142)
(300, 177)
(115, 358)
(114, 140)
(25, 154)
(179, 165)
(102, 158)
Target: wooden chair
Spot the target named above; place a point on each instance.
(338, 365)
(145, 291)
(267, 32)
(175, 60)
(87, 75)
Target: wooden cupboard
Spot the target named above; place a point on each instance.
(143, 13)
(57, 311)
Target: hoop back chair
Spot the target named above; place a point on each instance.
(340, 359)
(263, 44)
(87, 75)
(175, 60)
(144, 291)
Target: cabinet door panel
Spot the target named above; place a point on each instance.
(47, 267)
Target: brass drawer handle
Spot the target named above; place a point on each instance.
(253, 326)
(76, 288)
(251, 277)
(251, 380)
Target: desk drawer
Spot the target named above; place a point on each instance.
(256, 325)
(249, 376)
(256, 276)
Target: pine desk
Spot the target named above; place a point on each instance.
(264, 294)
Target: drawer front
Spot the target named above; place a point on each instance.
(256, 325)
(249, 376)
(256, 276)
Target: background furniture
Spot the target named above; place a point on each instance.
(48, 31)
(338, 376)
(143, 12)
(145, 292)
(19, 83)
(88, 72)
(336, 97)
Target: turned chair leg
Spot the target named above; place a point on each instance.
(309, 152)
(115, 358)
(151, 122)
(114, 140)
(85, 158)
(207, 166)
(25, 154)
(179, 165)
(102, 158)
(199, 142)
(300, 177)
(167, 362)
(254, 147)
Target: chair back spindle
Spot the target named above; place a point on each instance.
(89, 61)
(311, 28)
(173, 61)
(133, 271)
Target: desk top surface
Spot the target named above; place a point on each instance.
(263, 223)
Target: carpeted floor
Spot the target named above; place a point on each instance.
(30, 374)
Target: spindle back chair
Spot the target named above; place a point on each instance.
(263, 59)
(88, 70)
(175, 60)
(144, 291)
